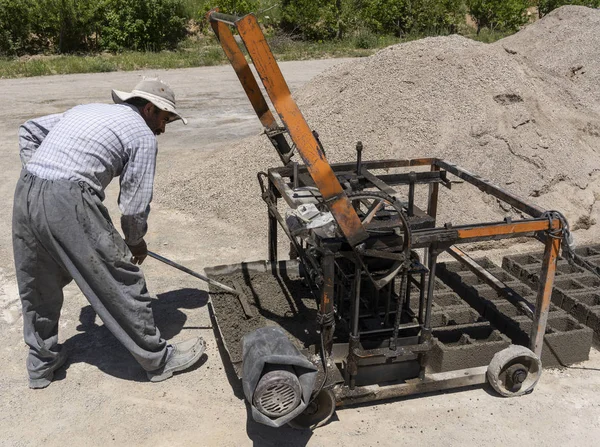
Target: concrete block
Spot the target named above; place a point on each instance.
(586, 300)
(455, 316)
(566, 340)
(593, 319)
(467, 346)
(447, 299)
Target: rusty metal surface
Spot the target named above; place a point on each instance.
(300, 133)
(479, 232)
(434, 382)
(489, 188)
(356, 273)
(248, 81)
(542, 307)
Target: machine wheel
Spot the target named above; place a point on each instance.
(514, 371)
(317, 413)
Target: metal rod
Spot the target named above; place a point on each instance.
(225, 18)
(507, 292)
(421, 298)
(272, 236)
(433, 382)
(191, 272)
(327, 301)
(411, 193)
(432, 206)
(359, 149)
(538, 330)
(400, 305)
(295, 179)
(356, 306)
(430, 287)
(489, 188)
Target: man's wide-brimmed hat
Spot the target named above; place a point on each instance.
(155, 91)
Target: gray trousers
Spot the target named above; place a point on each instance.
(61, 231)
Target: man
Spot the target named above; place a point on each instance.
(62, 232)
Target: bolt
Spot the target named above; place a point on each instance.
(519, 376)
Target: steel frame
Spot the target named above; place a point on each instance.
(299, 184)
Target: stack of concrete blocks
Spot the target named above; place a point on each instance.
(462, 337)
(576, 290)
(566, 340)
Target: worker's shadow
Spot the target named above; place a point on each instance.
(96, 346)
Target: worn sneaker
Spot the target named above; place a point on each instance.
(182, 356)
(46, 379)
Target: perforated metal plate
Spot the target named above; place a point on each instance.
(277, 393)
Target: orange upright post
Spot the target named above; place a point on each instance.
(293, 120)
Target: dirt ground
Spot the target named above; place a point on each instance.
(103, 397)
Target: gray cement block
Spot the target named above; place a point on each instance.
(566, 340)
(455, 316)
(447, 299)
(586, 300)
(466, 346)
(593, 319)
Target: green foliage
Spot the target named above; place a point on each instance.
(142, 24)
(70, 26)
(15, 26)
(365, 39)
(401, 17)
(502, 15)
(32, 26)
(312, 20)
(545, 6)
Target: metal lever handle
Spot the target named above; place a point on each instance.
(191, 272)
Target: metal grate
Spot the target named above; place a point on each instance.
(277, 393)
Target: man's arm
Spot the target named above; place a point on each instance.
(137, 182)
(33, 132)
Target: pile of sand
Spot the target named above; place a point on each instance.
(518, 112)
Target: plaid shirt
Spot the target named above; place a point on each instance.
(95, 143)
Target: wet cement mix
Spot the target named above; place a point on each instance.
(275, 299)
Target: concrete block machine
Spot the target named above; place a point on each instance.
(367, 255)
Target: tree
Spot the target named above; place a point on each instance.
(151, 25)
(312, 20)
(504, 15)
(15, 27)
(401, 17)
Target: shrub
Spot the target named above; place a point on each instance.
(151, 25)
(502, 15)
(312, 20)
(15, 27)
(400, 17)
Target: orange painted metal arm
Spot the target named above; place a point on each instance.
(506, 228)
(300, 133)
(244, 73)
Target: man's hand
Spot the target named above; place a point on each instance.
(139, 252)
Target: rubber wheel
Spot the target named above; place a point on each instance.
(514, 371)
(317, 413)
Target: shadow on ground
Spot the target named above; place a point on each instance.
(96, 346)
(261, 435)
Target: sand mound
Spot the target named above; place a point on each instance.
(506, 111)
(565, 43)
